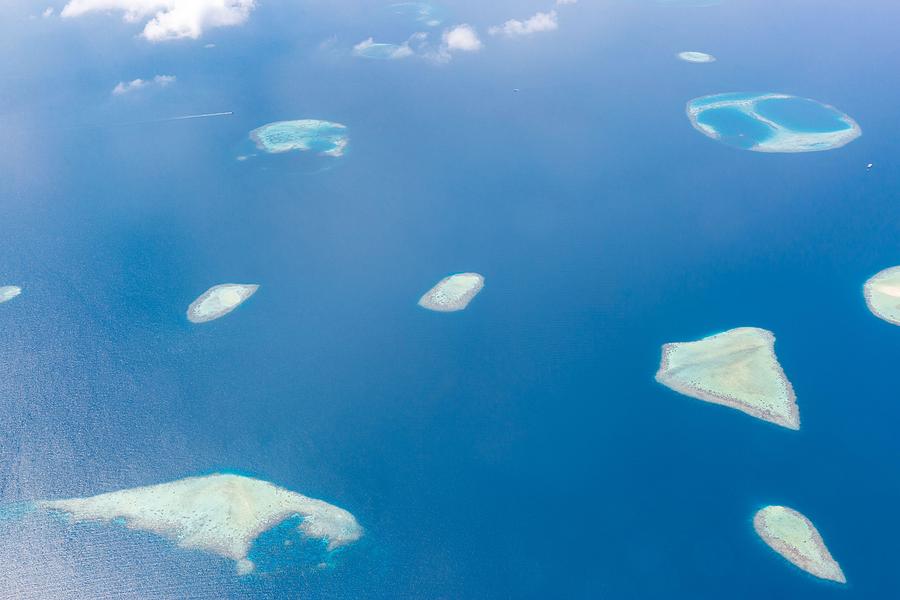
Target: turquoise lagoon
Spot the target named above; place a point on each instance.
(772, 122)
(306, 135)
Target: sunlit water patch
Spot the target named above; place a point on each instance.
(772, 122)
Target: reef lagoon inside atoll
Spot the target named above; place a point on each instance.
(371, 49)
(307, 135)
(772, 122)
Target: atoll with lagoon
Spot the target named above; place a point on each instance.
(221, 513)
(452, 293)
(218, 301)
(794, 537)
(323, 137)
(737, 368)
(696, 57)
(771, 122)
(371, 49)
(882, 293)
(8, 292)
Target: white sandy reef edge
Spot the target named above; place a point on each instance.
(737, 368)
(219, 300)
(696, 57)
(882, 292)
(452, 293)
(301, 134)
(220, 513)
(8, 292)
(783, 140)
(793, 536)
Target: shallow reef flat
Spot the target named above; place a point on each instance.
(8, 292)
(737, 368)
(220, 513)
(218, 301)
(452, 293)
(794, 537)
(882, 293)
(324, 137)
(696, 57)
(772, 122)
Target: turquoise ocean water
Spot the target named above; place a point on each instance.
(518, 449)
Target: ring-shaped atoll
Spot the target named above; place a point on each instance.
(772, 122)
(323, 137)
(373, 50)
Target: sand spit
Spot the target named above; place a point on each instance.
(218, 301)
(220, 513)
(794, 537)
(737, 368)
(452, 293)
(882, 294)
(8, 292)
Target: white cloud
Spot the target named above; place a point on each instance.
(539, 22)
(463, 38)
(169, 19)
(123, 87)
(48, 12)
(564, 2)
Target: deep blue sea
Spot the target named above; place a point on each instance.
(520, 448)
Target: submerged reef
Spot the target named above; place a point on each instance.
(737, 368)
(794, 537)
(772, 122)
(452, 293)
(696, 57)
(222, 513)
(323, 137)
(218, 301)
(882, 293)
(420, 12)
(8, 292)
(371, 49)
